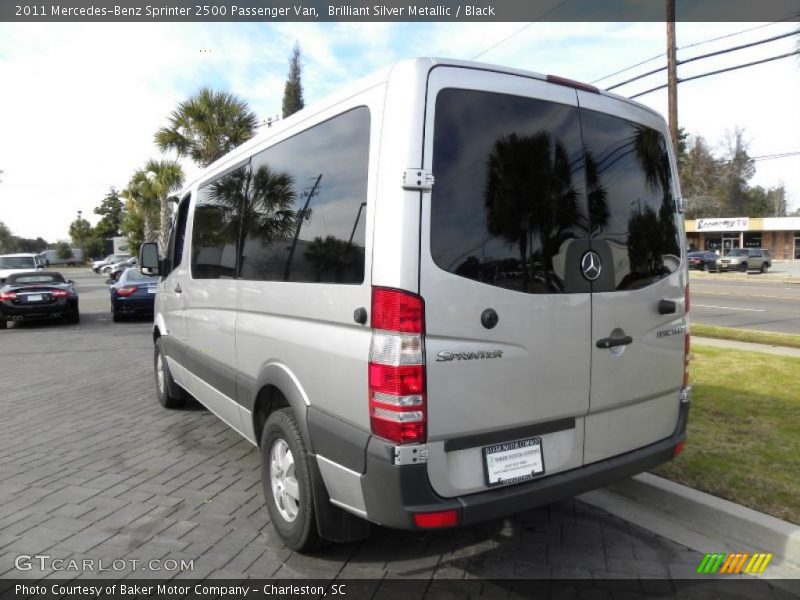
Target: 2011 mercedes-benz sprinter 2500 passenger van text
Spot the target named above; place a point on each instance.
(450, 293)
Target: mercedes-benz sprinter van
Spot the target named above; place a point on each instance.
(450, 293)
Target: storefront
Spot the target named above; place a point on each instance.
(779, 235)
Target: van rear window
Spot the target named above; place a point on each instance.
(525, 187)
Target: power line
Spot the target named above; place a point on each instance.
(694, 58)
(521, 29)
(774, 156)
(750, 64)
(722, 37)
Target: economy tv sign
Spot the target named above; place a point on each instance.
(730, 224)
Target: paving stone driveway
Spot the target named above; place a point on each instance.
(93, 468)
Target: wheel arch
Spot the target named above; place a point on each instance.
(277, 387)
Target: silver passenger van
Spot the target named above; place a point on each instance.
(450, 293)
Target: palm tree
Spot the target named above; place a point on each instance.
(141, 193)
(207, 126)
(165, 177)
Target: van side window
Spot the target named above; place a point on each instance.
(305, 207)
(629, 177)
(509, 193)
(216, 226)
(178, 233)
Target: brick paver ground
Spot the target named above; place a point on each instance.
(91, 467)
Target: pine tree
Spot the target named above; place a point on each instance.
(293, 92)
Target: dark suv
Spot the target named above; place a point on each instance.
(745, 259)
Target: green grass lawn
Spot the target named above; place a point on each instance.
(747, 335)
(744, 431)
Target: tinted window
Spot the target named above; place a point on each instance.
(632, 209)
(22, 278)
(134, 274)
(509, 192)
(17, 262)
(304, 205)
(178, 234)
(216, 227)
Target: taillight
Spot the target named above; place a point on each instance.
(126, 291)
(445, 518)
(686, 340)
(397, 408)
(8, 296)
(678, 448)
(59, 293)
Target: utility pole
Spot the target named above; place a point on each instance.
(301, 216)
(672, 75)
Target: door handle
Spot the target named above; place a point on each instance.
(666, 307)
(613, 342)
(178, 288)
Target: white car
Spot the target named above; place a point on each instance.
(98, 265)
(19, 263)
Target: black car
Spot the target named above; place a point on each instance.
(702, 260)
(133, 294)
(38, 295)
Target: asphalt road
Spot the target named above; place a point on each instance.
(753, 303)
(93, 467)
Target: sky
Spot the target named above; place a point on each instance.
(80, 102)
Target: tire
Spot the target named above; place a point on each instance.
(72, 316)
(169, 393)
(115, 316)
(706, 268)
(284, 460)
(764, 267)
(3, 324)
(743, 268)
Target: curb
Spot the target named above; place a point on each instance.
(768, 277)
(746, 346)
(701, 521)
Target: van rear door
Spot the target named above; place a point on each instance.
(638, 312)
(508, 313)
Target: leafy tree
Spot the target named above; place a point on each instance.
(165, 176)
(63, 250)
(293, 91)
(110, 210)
(30, 245)
(80, 231)
(207, 126)
(7, 240)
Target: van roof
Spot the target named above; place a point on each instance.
(18, 254)
(419, 65)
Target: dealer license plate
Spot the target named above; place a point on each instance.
(151, 290)
(513, 462)
(35, 298)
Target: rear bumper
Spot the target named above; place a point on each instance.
(134, 306)
(394, 494)
(33, 312)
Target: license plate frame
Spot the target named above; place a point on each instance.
(152, 290)
(496, 474)
(34, 298)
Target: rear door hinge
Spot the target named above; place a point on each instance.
(417, 179)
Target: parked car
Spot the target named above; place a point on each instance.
(745, 259)
(38, 295)
(116, 270)
(702, 260)
(357, 325)
(97, 265)
(19, 263)
(133, 294)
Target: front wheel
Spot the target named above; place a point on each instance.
(743, 268)
(169, 394)
(286, 480)
(764, 267)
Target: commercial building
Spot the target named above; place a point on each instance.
(779, 235)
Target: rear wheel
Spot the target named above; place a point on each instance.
(705, 267)
(115, 316)
(73, 316)
(286, 480)
(169, 393)
(764, 267)
(3, 324)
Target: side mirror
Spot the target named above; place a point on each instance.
(148, 258)
(70, 283)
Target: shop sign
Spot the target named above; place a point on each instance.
(724, 224)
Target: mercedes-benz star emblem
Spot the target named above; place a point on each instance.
(590, 265)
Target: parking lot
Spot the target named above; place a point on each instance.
(93, 468)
